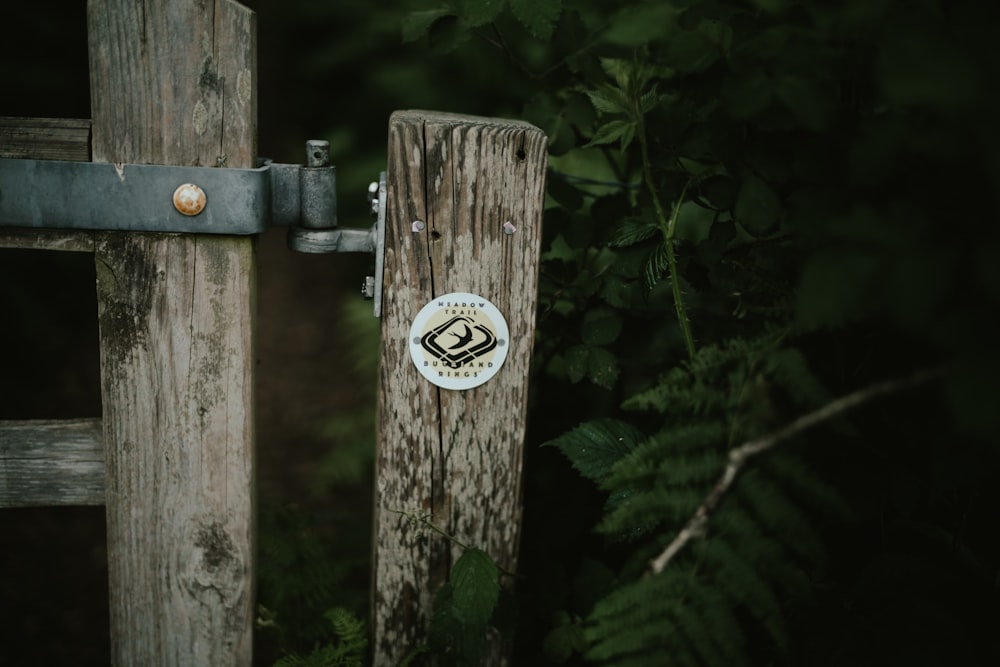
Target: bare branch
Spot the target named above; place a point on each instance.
(740, 456)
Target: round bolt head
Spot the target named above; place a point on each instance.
(189, 199)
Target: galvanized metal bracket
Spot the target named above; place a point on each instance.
(51, 194)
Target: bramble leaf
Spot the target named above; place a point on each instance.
(475, 586)
(600, 327)
(594, 447)
(416, 24)
(608, 100)
(538, 16)
(479, 12)
(613, 131)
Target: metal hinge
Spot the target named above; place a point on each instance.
(53, 194)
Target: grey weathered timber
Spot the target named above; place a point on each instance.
(455, 455)
(45, 139)
(175, 83)
(51, 462)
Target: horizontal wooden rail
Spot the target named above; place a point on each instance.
(45, 139)
(51, 462)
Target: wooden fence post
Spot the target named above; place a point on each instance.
(454, 183)
(175, 83)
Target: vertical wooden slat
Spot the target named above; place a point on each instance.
(174, 83)
(453, 454)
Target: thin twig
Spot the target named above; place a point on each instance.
(740, 456)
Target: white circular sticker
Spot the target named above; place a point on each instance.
(459, 340)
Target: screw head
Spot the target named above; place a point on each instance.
(189, 199)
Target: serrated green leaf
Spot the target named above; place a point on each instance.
(576, 362)
(600, 327)
(594, 447)
(602, 367)
(608, 100)
(694, 222)
(538, 16)
(479, 12)
(649, 100)
(616, 130)
(475, 586)
(416, 24)
(451, 630)
(656, 266)
(631, 231)
(563, 640)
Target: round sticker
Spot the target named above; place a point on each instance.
(459, 341)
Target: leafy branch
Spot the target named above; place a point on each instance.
(740, 456)
(634, 98)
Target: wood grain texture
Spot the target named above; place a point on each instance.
(455, 455)
(37, 239)
(51, 462)
(174, 83)
(45, 138)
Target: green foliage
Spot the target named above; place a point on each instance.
(754, 206)
(464, 607)
(345, 647)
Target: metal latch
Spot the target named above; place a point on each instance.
(52, 194)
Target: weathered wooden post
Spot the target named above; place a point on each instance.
(175, 83)
(464, 212)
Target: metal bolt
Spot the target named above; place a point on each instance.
(418, 225)
(368, 288)
(189, 199)
(509, 228)
(317, 153)
(373, 197)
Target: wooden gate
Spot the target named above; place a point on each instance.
(172, 455)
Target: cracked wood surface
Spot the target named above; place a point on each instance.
(453, 455)
(174, 83)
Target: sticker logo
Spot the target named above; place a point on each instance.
(459, 341)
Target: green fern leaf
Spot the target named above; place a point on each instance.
(631, 231)
(779, 514)
(745, 585)
(642, 511)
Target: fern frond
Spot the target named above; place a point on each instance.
(682, 455)
(350, 631)
(642, 511)
(710, 619)
(768, 554)
(788, 369)
(745, 585)
(779, 514)
(809, 489)
(635, 618)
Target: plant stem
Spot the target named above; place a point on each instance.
(740, 456)
(667, 227)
